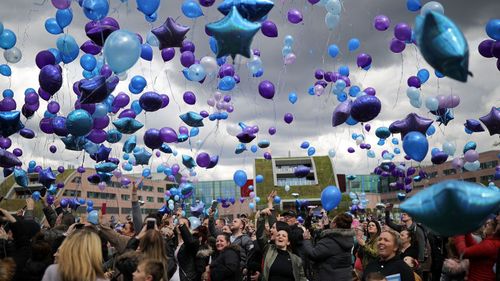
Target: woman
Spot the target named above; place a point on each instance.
(389, 263)
(368, 248)
(226, 266)
(185, 252)
(78, 259)
(482, 256)
(279, 262)
(409, 247)
(332, 253)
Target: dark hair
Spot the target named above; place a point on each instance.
(226, 236)
(412, 236)
(375, 276)
(40, 249)
(343, 221)
(379, 230)
(201, 232)
(281, 225)
(154, 268)
(68, 219)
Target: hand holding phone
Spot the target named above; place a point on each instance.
(150, 223)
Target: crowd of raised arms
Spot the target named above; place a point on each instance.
(273, 246)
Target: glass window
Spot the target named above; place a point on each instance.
(448, 172)
(470, 179)
(161, 189)
(125, 197)
(160, 200)
(150, 199)
(77, 179)
(489, 165)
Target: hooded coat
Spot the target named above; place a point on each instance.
(332, 254)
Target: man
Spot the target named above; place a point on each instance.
(242, 240)
(149, 270)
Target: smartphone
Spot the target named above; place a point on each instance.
(79, 226)
(150, 223)
(103, 208)
(214, 205)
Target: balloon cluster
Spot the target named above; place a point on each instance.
(490, 48)
(287, 51)
(11, 53)
(358, 202)
(333, 8)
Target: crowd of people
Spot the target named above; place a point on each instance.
(272, 246)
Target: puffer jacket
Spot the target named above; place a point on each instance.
(227, 265)
(332, 254)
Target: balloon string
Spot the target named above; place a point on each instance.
(400, 81)
(325, 50)
(171, 91)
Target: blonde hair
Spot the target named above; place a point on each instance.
(80, 257)
(152, 247)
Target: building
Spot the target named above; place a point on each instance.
(279, 172)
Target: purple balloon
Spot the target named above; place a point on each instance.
(226, 70)
(61, 4)
(97, 136)
(44, 58)
(187, 46)
(53, 107)
(27, 133)
(381, 22)
(167, 54)
(402, 31)
(31, 98)
(414, 81)
(495, 50)
(183, 130)
(272, 131)
(189, 97)
(164, 100)
(98, 31)
(269, 29)
(363, 60)
(121, 100)
(312, 2)
(152, 138)
(53, 149)
(351, 150)
(288, 118)
(89, 47)
(59, 126)
(187, 59)
(498, 64)
(397, 46)
(370, 91)
(206, 3)
(150, 101)
(256, 52)
(473, 125)
(319, 74)
(175, 169)
(365, 108)
(101, 122)
(203, 159)
(106, 71)
(127, 113)
(368, 127)
(485, 48)
(17, 152)
(5, 143)
(267, 155)
(341, 113)
(46, 125)
(266, 89)
(7, 104)
(294, 16)
(168, 135)
(50, 79)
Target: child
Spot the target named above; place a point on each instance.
(150, 270)
(375, 276)
(413, 263)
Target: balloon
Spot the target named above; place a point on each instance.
(130, 144)
(288, 118)
(402, 31)
(227, 83)
(493, 29)
(471, 156)
(341, 113)
(191, 9)
(365, 108)
(150, 101)
(203, 160)
(96, 89)
(13, 55)
(68, 48)
(412, 122)
(8, 159)
(381, 22)
(5, 70)
(443, 45)
(122, 49)
(170, 34)
(363, 60)
(192, 119)
(21, 177)
(95, 9)
(127, 125)
(415, 145)
(333, 50)
(240, 178)
(473, 125)
(471, 204)
(492, 121)
(266, 89)
(142, 156)
(188, 161)
(250, 10)
(50, 79)
(64, 17)
(294, 16)
(232, 25)
(7, 39)
(292, 97)
(168, 135)
(330, 197)
(148, 7)
(152, 138)
(196, 72)
(189, 97)
(301, 171)
(269, 29)
(353, 44)
(397, 46)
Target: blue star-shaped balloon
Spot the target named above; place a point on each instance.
(165, 148)
(188, 161)
(453, 207)
(192, 119)
(74, 143)
(105, 177)
(443, 45)
(411, 123)
(240, 148)
(102, 153)
(446, 117)
(105, 167)
(52, 189)
(492, 121)
(8, 159)
(252, 10)
(142, 156)
(234, 34)
(130, 144)
(127, 125)
(10, 123)
(170, 34)
(46, 177)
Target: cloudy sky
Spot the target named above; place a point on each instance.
(312, 121)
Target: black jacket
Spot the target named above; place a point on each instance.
(332, 254)
(186, 257)
(227, 265)
(394, 266)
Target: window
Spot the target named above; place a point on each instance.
(160, 200)
(147, 188)
(72, 193)
(161, 189)
(125, 197)
(101, 195)
(448, 172)
(432, 175)
(150, 199)
(77, 179)
(470, 179)
(486, 179)
(489, 165)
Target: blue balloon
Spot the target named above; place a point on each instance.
(354, 91)
(146, 172)
(194, 132)
(415, 145)
(353, 44)
(127, 125)
(21, 177)
(351, 121)
(68, 48)
(148, 7)
(56, 54)
(344, 70)
(152, 40)
(304, 145)
(7, 39)
(333, 50)
(330, 197)
(64, 17)
(240, 178)
(341, 97)
(88, 62)
(470, 145)
(253, 148)
(493, 29)
(227, 83)
(113, 136)
(136, 107)
(5, 70)
(192, 119)
(95, 9)
(1, 27)
(311, 151)
(105, 167)
(431, 130)
(292, 97)
(191, 9)
(188, 161)
(453, 207)
(413, 5)
(443, 45)
(137, 83)
(121, 50)
(213, 45)
(52, 27)
(395, 141)
(423, 75)
(259, 178)
(146, 52)
(8, 93)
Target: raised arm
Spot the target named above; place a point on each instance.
(136, 210)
